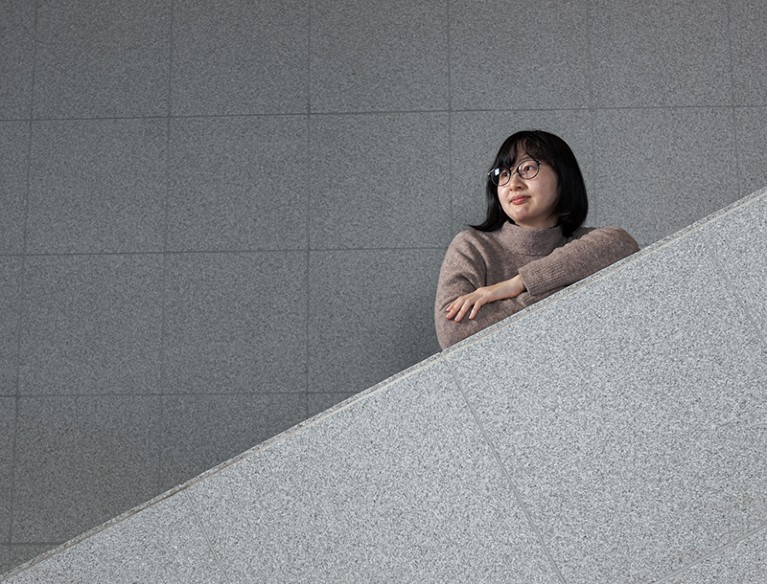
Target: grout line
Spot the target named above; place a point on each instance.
(450, 192)
(164, 274)
(734, 117)
(308, 206)
(590, 56)
(307, 202)
(307, 281)
(221, 251)
(201, 525)
(386, 112)
(517, 495)
(712, 553)
(21, 295)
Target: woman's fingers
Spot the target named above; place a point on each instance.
(461, 305)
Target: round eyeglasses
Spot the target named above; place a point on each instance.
(526, 169)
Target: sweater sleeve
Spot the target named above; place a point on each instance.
(464, 270)
(590, 251)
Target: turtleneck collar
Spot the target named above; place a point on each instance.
(531, 241)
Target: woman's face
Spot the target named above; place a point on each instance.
(531, 203)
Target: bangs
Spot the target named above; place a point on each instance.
(528, 142)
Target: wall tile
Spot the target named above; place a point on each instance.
(377, 481)
(631, 417)
(748, 19)
(477, 136)
(751, 125)
(14, 159)
(93, 325)
(744, 563)
(10, 317)
(319, 402)
(238, 183)
(97, 186)
(202, 431)
(234, 57)
(657, 53)
(370, 315)
(97, 58)
(511, 55)
(18, 554)
(163, 543)
(82, 461)
(236, 323)
(379, 181)
(659, 170)
(380, 56)
(7, 431)
(5, 558)
(17, 37)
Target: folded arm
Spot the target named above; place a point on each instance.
(590, 252)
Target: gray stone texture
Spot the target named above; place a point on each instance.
(379, 181)
(201, 431)
(657, 53)
(379, 56)
(680, 165)
(751, 132)
(319, 402)
(232, 186)
(97, 186)
(744, 563)
(514, 55)
(17, 47)
(163, 544)
(10, 288)
(82, 461)
(631, 415)
(741, 245)
(7, 432)
(14, 149)
(101, 58)
(235, 323)
(357, 334)
(18, 554)
(92, 325)
(748, 19)
(235, 58)
(384, 490)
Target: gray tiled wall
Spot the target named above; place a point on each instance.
(220, 218)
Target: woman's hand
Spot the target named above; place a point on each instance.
(458, 308)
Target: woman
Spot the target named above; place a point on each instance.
(531, 243)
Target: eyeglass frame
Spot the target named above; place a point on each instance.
(497, 170)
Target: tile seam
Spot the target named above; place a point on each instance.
(733, 115)
(331, 113)
(22, 290)
(160, 395)
(515, 491)
(713, 553)
(208, 542)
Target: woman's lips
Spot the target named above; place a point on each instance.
(518, 200)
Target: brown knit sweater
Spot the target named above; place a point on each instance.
(546, 259)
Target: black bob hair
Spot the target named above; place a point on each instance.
(572, 203)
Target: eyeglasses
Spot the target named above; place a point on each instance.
(526, 169)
